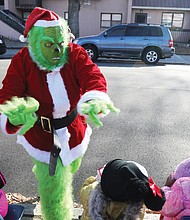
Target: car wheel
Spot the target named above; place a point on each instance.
(92, 52)
(151, 56)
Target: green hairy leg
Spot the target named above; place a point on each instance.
(55, 191)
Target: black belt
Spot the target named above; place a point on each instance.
(50, 125)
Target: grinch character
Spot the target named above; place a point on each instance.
(50, 89)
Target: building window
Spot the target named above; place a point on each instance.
(25, 14)
(1, 2)
(172, 20)
(109, 19)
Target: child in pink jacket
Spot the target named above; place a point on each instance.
(177, 193)
(3, 200)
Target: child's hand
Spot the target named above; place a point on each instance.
(170, 180)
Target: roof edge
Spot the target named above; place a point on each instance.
(160, 8)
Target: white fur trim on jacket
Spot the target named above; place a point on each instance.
(67, 155)
(95, 94)
(58, 93)
(3, 125)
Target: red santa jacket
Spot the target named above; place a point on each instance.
(58, 93)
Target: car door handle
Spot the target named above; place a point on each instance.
(122, 38)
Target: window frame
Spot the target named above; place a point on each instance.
(111, 30)
(171, 26)
(111, 21)
(2, 2)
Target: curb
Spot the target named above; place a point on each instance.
(33, 211)
(175, 60)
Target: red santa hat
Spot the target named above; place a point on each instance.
(40, 17)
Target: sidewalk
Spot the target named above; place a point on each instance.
(33, 212)
(14, 46)
(32, 208)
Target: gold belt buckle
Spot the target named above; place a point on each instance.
(46, 124)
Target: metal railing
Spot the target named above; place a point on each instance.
(12, 21)
(15, 17)
(181, 36)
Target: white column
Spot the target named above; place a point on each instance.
(6, 4)
(129, 11)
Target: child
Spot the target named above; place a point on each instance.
(177, 192)
(3, 200)
(119, 191)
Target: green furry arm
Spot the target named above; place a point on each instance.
(21, 112)
(94, 107)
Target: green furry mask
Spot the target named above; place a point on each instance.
(48, 46)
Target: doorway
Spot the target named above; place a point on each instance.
(141, 18)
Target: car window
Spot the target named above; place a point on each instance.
(155, 31)
(117, 31)
(137, 31)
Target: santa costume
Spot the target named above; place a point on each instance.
(60, 91)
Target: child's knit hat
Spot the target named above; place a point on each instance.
(128, 181)
(182, 169)
(2, 180)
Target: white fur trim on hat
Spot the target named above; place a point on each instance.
(141, 168)
(44, 23)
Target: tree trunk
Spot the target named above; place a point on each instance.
(73, 16)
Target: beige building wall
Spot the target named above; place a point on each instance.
(10, 5)
(153, 16)
(89, 15)
(9, 32)
(186, 23)
(59, 6)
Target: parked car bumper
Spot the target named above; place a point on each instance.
(168, 52)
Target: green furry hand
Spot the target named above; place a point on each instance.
(76, 164)
(20, 112)
(94, 107)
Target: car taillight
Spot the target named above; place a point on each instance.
(170, 43)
